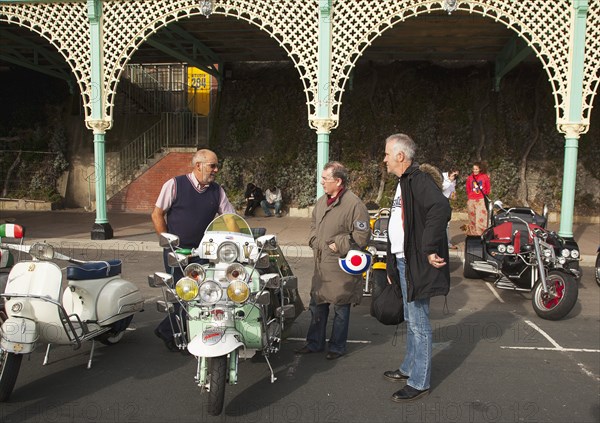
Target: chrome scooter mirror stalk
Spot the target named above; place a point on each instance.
(259, 261)
(267, 242)
(290, 282)
(167, 240)
(160, 279)
(271, 280)
(176, 260)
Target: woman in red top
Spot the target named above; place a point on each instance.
(478, 184)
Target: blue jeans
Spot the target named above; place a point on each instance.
(266, 206)
(417, 361)
(315, 338)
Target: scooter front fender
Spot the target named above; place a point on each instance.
(380, 265)
(212, 343)
(19, 335)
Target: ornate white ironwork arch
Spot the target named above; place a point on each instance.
(128, 24)
(67, 28)
(591, 73)
(545, 26)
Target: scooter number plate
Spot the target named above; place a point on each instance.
(212, 336)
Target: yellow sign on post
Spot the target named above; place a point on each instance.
(199, 84)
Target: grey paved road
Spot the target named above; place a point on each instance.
(494, 361)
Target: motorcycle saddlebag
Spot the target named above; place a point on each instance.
(94, 270)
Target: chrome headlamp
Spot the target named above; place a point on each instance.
(510, 249)
(565, 252)
(575, 254)
(228, 252)
(42, 251)
(186, 288)
(236, 271)
(501, 248)
(210, 292)
(195, 271)
(238, 291)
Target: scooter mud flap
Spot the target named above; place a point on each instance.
(214, 343)
(18, 335)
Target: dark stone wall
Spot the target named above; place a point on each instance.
(453, 114)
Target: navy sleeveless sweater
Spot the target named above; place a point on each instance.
(192, 211)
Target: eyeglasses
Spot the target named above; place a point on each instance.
(212, 165)
(328, 179)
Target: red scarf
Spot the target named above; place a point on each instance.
(331, 200)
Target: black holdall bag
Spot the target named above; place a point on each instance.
(387, 307)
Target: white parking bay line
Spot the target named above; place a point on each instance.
(350, 341)
(491, 287)
(556, 347)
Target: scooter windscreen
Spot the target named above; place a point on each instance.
(228, 238)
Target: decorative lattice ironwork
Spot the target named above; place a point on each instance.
(66, 27)
(591, 75)
(545, 26)
(291, 23)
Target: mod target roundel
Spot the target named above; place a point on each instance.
(355, 262)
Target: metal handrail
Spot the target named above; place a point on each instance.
(174, 129)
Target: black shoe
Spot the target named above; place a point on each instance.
(169, 342)
(305, 350)
(408, 393)
(333, 355)
(395, 376)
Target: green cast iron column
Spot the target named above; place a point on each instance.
(323, 89)
(574, 126)
(101, 228)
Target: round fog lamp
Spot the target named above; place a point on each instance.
(238, 291)
(510, 249)
(195, 271)
(187, 288)
(210, 292)
(574, 254)
(501, 248)
(235, 271)
(565, 252)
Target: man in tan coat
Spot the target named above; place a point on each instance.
(340, 223)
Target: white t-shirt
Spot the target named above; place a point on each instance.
(396, 225)
(448, 186)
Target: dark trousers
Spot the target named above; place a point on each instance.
(252, 205)
(315, 339)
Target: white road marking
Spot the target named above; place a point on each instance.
(540, 330)
(350, 341)
(491, 287)
(557, 347)
(552, 349)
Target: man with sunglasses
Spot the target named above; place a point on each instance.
(185, 207)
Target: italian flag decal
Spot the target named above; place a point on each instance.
(10, 230)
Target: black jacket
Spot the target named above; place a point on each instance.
(426, 215)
